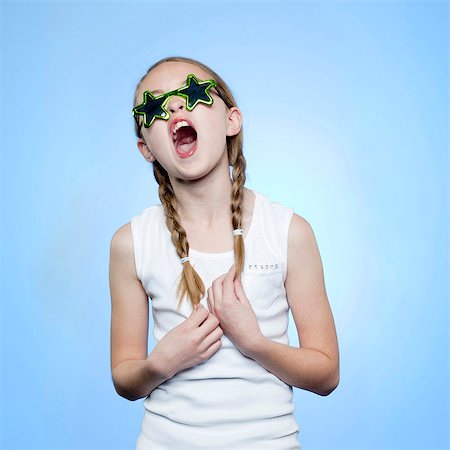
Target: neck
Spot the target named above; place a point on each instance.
(204, 202)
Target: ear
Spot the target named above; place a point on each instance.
(234, 121)
(146, 153)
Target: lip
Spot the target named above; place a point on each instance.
(172, 123)
(189, 153)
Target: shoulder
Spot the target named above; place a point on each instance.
(122, 236)
(299, 229)
(277, 210)
(304, 260)
(121, 246)
(300, 233)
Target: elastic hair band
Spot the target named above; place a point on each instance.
(238, 231)
(183, 260)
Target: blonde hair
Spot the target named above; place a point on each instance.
(190, 281)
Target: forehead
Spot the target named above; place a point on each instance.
(170, 76)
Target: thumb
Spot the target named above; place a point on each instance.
(238, 288)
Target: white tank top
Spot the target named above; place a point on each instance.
(228, 401)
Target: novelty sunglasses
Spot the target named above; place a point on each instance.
(195, 91)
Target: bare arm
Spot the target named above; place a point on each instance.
(135, 374)
(134, 379)
(314, 366)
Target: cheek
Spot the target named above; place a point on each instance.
(156, 137)
(214, 127)
(157, 130)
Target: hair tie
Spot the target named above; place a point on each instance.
(183, 260)
(238, 231)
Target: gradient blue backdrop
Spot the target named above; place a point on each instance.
(345, 108)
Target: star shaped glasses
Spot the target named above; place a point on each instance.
(195, 91)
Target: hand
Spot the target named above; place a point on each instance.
(228, 302)
(189, 343)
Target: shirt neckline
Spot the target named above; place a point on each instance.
(229, 253)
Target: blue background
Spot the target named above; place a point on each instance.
(345, 109)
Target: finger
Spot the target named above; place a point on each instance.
(209, 303)
(217, 283)
(227, 286)
(238, 281)
(239, 288)
(232, 271)
(199, 315)
(216, 290)
(219, 280)
(211, 300)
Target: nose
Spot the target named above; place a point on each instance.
(175, 102)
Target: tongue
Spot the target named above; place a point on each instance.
(186, 144)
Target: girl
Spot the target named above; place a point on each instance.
(222, 265)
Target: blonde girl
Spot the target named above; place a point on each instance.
(221, 265)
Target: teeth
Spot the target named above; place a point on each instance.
(178, 125)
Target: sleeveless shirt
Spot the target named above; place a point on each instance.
(228, 401)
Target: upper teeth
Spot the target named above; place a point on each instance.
(178, 125)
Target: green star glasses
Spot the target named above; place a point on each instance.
(195, 91)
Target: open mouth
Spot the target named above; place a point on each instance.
(185, 139)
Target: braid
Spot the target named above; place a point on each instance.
(239, 164)
(190, 281)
